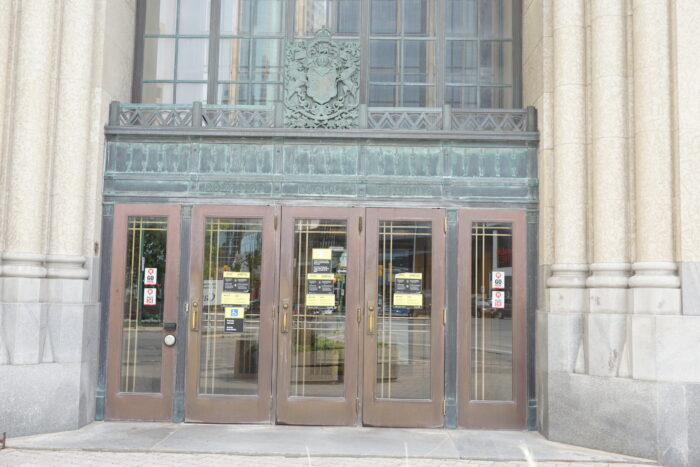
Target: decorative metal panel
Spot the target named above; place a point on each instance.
(325, 159)
(155, 116)
(321, 83)
(404, 161)
(488, 120)
(236, 158)
(399, 118)
(242, 116)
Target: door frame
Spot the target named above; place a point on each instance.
(319, 410)
(142, 406)
(492, 414)
(220, 408)
(406, 413)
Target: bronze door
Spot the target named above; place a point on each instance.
(491, 332)
(231, 312)
(142, 312)
(403, 329)
(319, 309)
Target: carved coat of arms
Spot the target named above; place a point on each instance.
(321, 83)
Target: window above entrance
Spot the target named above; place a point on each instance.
(414, 53)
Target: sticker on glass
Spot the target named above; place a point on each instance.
(498, 280)
(234, 319)
(321, 260)
(236, 288)
(320, 291)
(150, 276)
(149, 296)
(498, 299)
(408, 287)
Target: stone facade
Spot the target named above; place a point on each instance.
(618, 327)
(615, 84)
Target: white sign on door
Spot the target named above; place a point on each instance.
(149, 296)
(498, 280)
(150, 276)
(498, 299)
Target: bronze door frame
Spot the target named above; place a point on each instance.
(492, 414)
(319, 410)
(405, 413)
(219, 408)
(141, 406)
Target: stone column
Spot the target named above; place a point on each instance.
(606, 325)
(68, 189)
(6, 20)
(655, 283)
(567, 294)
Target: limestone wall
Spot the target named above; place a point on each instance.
(615, 83)
(61, 63)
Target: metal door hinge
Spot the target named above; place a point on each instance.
(445, 224)
(359, 225)
(274, 312)
(444, 316)
(357, 405)
(275, 221)
(444, 407)
(359, 315)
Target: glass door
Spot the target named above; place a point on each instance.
(403, 329)
(143, 312)
(320, 309)
(231, 314)
(491, 333)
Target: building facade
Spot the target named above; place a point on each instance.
(412, 213)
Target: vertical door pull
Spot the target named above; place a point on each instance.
(285, 316)
(195, 315)
(370, 319)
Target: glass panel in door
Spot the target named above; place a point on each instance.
(229, 361)
(143, 294)
(317, 368)
(404, 294)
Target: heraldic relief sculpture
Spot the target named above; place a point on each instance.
(321, 83)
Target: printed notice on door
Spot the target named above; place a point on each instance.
(498, 299)
(321, 260)
(236, 288)
(320, 291)
(498, 280)
(408, 289)
(150, 276)
(234, 318)
(149, 296)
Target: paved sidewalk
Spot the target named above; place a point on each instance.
(146, 444)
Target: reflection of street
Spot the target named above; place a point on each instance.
(492, 359)
(141, 358)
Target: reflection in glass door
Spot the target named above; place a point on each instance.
(491, 320)
(317, 364)
(404, 293)
(231, 311)
(142, 301)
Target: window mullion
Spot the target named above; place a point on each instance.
(214, 35)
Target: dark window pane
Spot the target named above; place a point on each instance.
(383, 96)
(192, 59)
(461, 62)
(495, 98)
(158, 59)
(496, 62)
(461, 18)
(384, 17)
(419, 17)
(194, 17)
(495, 18)
(418, 61)
(461, 97)
(161, 16)
(383, 61)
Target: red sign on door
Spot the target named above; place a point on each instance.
(149, 296)
(498, 299)
(150, 276)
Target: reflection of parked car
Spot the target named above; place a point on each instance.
(482, 307)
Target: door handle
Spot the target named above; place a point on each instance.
(285, 316)
(195, 315)
(370, 319)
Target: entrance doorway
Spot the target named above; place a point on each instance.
(314, 316)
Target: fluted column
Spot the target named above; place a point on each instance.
(68, 191)
(25, 227)
(6, 17)
(606, 325)
(569, 271)
(654, 265)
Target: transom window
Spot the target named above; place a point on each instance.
(415, 53)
